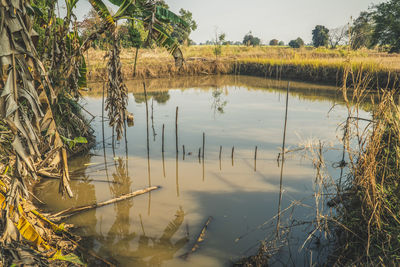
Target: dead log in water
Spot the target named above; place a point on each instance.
(72, 211)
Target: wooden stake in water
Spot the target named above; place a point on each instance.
(162, 146)
(163, 164)
(283, 161)
(204, 142)
(177, 175)
(220, 155)
(183, 151)
(199, 153)
(176, 130)
(255, 159)
(233, 150)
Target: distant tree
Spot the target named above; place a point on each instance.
(361, 31)
(218, 41)
(274, 42)
(281, 43)
(296, 43)
(237, 43)
(338, 36)
(182, 35)
(320, 36)
(387, 25)
(249, 39)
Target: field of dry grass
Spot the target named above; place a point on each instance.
(202, 60)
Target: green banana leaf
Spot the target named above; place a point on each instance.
(103, 12)
(167, 16)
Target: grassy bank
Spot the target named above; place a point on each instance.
(367, 222)
(306, 64)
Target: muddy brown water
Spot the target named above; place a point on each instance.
(155, 229)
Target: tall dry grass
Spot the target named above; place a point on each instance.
(367, 222)
(307, 64)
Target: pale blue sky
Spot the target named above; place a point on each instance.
(267, 19)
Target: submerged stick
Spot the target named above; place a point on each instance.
(177, 175)
(199, 239)
(72, 211)
(283, 161)
(163, 163)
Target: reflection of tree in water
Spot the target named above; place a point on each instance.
(119, 238)
(219, 103)
(160, 97)
(161, 249)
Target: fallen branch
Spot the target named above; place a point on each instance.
(72, 211)
(200, 239)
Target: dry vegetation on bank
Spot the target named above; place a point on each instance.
(307, 63)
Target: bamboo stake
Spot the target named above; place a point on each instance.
(183, 148)
(199, 239)
(283, 161)
(72, 211)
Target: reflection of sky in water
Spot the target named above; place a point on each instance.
(152, 229)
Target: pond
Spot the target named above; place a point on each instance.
(241, 194)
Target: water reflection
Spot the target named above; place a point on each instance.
(218, 103)
(119, 234)
(240, 197)
(160, 97)
(154, 251)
